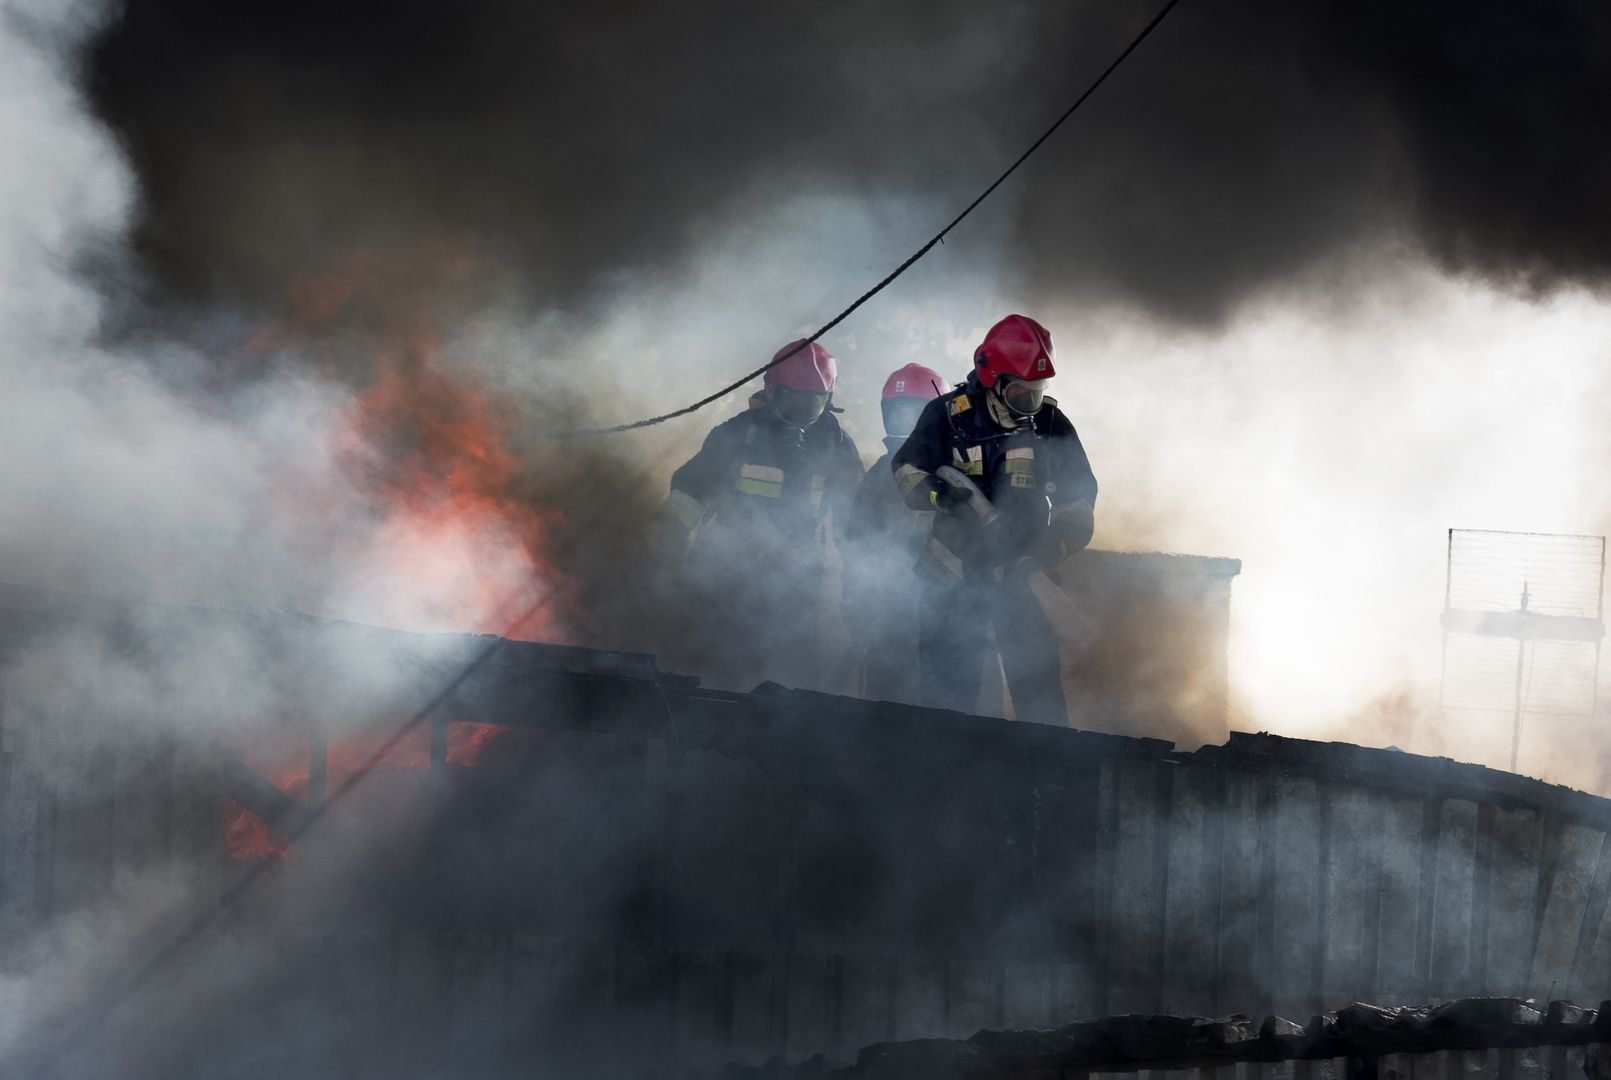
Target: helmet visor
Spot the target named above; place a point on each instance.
(1023, 396)
(900, 416)
(798, 408)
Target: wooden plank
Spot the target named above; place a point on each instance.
(1239, 971)
(422, 978)
(1566, 896)
(1067, 849)
(1513, 884)
(1398, 899)
(700, 1039)
(585, 974)
(865, 1011)
(1130, 968)
(1352, 884)
(1395, 1067)
(1072, 995)
(1099, 939)
(1293, 846)
(1028, 995)
(1482, 897)
(1190, 905)
(1454, 891)
(973, 997)
(920, 998)
(751, 979)
(1567, 1063)
(1525, 1063)
(808, 1030)
(1479, 1064)
(475, 1014)
(645, 997)
(1591, 971)
(359, 974)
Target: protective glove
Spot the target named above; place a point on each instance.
(947, 497)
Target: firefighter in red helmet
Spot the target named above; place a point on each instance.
(1011, 441)
(746, 518)
(883, 538)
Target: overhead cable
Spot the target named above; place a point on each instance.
(928, 246)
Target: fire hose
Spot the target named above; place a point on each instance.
(1059, 609)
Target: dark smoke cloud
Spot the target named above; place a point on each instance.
(1256, 138)
(1246, 141)
(577, 138)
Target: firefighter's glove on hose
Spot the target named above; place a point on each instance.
(946, 496)
(1004, 550)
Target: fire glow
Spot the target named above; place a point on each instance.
(432, 452)
(247, 836)
(457, 541)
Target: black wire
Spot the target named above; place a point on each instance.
(903, 267)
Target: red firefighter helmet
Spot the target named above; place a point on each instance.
(914, 381)
(1017, 347)
(810, 371)
(905, 394)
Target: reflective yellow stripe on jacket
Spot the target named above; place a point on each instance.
(760, 480)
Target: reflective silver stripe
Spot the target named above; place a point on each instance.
(908, 477)
(944, 556)
(1081, 507)
(1021, 452)
(684, 507)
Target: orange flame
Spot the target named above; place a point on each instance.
(457, 544)
(247, 836)
(432, 450)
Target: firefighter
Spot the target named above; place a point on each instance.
(883, 539)
(1001, 431)
(754, 502)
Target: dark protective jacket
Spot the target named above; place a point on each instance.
(879, 514)
(746, 596)
(1036, 473)
(882, 594)
(757, 473)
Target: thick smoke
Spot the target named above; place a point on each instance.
(1245, 143)
(655, 199)
(574, 140)
(647, 200)
(530, 217)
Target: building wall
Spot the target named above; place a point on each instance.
(653, 873)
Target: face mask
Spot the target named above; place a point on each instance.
(1022, 398)
(900, 416)
(798, 408)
